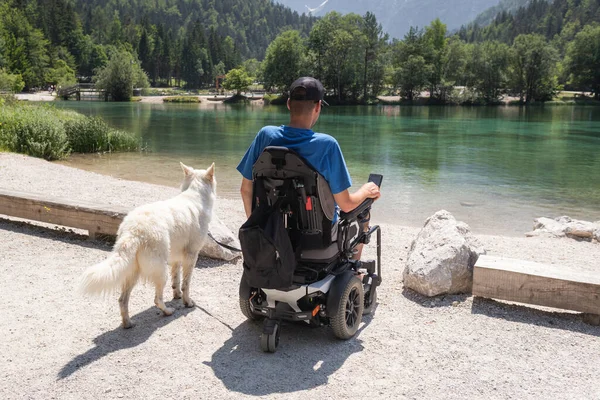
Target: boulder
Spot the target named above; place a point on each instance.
(441, 258)
(564, 226)
(222, 234)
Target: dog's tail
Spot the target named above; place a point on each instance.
(105, 277)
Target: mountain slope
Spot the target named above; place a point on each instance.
(397, 16)
(558, 21)
(486, 17)
(252, 24)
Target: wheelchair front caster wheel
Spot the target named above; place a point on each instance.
(270, 340)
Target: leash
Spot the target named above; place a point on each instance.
(223, 244)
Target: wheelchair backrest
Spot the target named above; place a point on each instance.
(282, 177)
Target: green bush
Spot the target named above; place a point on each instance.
(93, 135)
(36, 131)
(87, 135)
(122, 141)
(45, 132)
(181, 99)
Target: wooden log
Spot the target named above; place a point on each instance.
(535, 283)
(104, 220)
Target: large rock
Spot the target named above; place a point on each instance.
(564, 226)
(221, 233)
(442, 257)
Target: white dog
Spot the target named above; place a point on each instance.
(155, 236)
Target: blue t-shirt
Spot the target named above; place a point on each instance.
(321, 151)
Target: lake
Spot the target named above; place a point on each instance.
(495, 168)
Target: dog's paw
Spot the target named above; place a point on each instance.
(128, 324)
(168, 311)
(176, 295)
(189, 303)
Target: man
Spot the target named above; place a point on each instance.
(319, 150)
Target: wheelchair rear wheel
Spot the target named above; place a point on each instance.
(347, 319)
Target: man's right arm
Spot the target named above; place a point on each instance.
(246, 192)
(348, 202)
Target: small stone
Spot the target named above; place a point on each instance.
(455, 304)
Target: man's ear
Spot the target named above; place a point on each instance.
(187, 171)
(210, 172)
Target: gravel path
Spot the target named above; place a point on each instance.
(57, 344)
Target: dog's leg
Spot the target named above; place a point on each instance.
(176, 280)
(160, 282)
(188, 267)
(124, 300)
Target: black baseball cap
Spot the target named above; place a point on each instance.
(307, 88)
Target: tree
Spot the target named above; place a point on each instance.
(446, 58)
(374, 40)
(121, 75)
(583, 60)
(60, 74)
(487, 70)
(253, 67)
(197, 66)
(237, 79)
(26, 49)
(533, 68)
(337, 43)
(284, 61)
(412, 70)
(411, 76)
(11, 82)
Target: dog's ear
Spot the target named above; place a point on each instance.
(187, 171)
(210, 172)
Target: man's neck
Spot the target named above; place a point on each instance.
(300, 123)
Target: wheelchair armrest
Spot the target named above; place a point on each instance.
(352, 215)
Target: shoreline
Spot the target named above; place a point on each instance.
(412, 346)
(206, 101)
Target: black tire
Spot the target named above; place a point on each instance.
(247, 311)
(346, 320)
(270, 341)
(370, 302)
(245, 291)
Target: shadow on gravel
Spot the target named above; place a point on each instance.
(305, 358)
(146, 323)
(433, 302)
(61, 235)
(532, 316)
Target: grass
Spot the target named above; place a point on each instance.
(181, 99)
(52, 134)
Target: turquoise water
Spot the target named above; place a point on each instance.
(495, 168)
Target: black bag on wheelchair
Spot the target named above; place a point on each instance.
(269, 259)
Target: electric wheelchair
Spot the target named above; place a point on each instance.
(297, 252)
